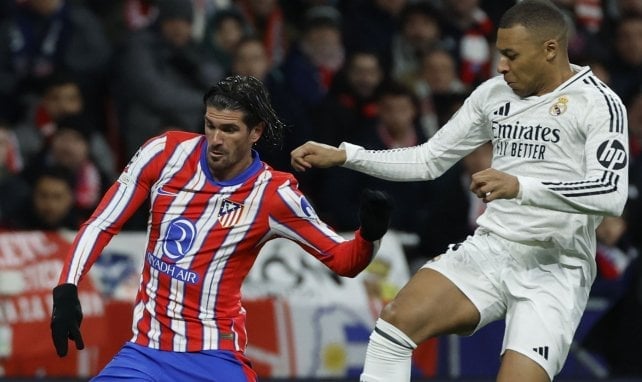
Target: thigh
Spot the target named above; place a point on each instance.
(544, 309)
(518, 367)
(127, 365)
(450, 294)
(139, 363)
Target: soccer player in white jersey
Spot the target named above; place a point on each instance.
(213, 205)
(560, 158)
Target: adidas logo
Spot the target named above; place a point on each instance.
(543, 351)
(503, 111)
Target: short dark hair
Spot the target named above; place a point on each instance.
(249, 95)
(56, 172)
(541, 16)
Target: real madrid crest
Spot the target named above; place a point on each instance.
(559, 107)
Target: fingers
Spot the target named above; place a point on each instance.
(298, 155)
(59, 339)
(74, 334)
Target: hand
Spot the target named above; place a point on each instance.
(314, 154)
(374, 214)
(66, 318)
(491, 184)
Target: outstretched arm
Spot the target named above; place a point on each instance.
(294, 218)
(315, 154)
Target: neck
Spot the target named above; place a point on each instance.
(562, 75)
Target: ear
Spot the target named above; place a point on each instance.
(256, 132)
(551, 48)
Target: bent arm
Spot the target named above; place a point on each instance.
(467, 130)
(119, 203)
(604, 189)
(294, 218)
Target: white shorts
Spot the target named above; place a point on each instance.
(541, 299)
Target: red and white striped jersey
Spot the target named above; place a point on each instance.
(203, 237)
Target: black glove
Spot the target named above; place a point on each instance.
(374, 214)
(66, 318)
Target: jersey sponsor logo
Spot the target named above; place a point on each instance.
(172, 270)
(525, 132)
(559, 107)
(230, 213)
(179, 238)
(612, 154)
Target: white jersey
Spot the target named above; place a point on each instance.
(568, 148)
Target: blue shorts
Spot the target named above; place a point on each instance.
(139, 363)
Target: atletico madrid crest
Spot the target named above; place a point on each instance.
(230, 213)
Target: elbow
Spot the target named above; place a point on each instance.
(616, 208)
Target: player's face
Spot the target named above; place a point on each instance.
(229, 142)
(522, 60)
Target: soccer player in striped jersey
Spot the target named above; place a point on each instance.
(213, 205)
(560, 158)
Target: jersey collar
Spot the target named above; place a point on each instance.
(254, 168)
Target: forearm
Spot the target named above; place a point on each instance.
(351, 257)
(599, 196)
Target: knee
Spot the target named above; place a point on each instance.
(410, 321)
(403, 319)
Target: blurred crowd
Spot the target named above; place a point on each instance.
(83, 83)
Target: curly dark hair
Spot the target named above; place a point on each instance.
(249, 95)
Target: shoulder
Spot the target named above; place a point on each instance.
(170, 142)
(492, 89)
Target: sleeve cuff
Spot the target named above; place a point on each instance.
(351, 152)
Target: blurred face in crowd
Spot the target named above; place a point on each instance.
(251, 59)
(462, 7)
(178, 31)
(629, 41)
(324, 47)
(397, 113)
(69, 148)
(364, 74)
(421, 31)
(439, 71)
(263, 8)
(53, 198)
(228, 33)
(229, 142)
(62, 100)
(45, 7)
(392, 7)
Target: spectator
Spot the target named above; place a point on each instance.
(69, 148)
(162, 75)
(44, 36)
(437, 78)
(13, 189)
(419, 32)
(312, 63)
(62, 96)
(468, 33)
(52, 202)
(371, 25)
(266, 20)
(350, 107)
(626, 68)
(224, 30)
